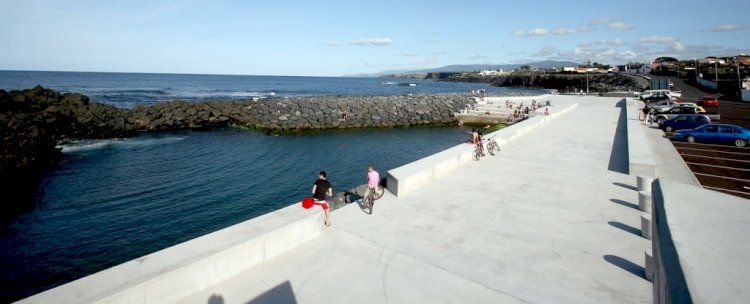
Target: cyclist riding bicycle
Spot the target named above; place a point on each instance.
(373, 179)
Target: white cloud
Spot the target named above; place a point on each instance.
(614, 23)
(730, 28)
(614, 42)
(334, 44)
(621, 26)
(563, 31)
(529, 33)
(678, 47)
(658, 39)
(408, 54)
(372, 41)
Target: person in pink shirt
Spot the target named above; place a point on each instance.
(373, 179)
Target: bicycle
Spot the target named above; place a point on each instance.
(492, 146)
(478, 151)
(374, 194)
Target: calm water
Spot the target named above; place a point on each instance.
(109, 202)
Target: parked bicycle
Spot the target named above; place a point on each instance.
(492, 146)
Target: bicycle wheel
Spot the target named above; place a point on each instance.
(476, 154)
(491, 148)
(367, 201)
(378, 193)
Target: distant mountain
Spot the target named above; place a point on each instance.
(544, 64)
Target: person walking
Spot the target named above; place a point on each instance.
(322, 188)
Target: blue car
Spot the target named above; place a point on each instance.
(685, 121)
(715, 133)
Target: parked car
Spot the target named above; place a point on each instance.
(648, 93)
(656, 97)
(698, 108)
(662, 116)
(708, 101)
(659, 106)
(684, 121)
(715, 133)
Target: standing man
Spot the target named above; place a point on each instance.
(320, 189)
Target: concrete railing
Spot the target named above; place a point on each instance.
(412, 176)
(640, 159)
(699, 245)
(176, 272)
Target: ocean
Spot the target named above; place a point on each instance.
(111, 201)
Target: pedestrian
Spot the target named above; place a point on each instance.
(322, 188)
(546, 111)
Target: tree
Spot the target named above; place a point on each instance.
(525, 67)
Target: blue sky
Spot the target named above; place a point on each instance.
(334, 38)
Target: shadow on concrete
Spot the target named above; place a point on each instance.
(629, 187)
(626, 265)
(215, 299)
(624, 203)
(618, 157)
(625, 227)
(282, 293)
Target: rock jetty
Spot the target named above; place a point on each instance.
(35, 121)
(307, 113)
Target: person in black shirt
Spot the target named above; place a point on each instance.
(320, 189)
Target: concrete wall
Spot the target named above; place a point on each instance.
(699, 245)
(407, 178)
(640, 159)
(178, 271)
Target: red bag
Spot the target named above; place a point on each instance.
(307, 203)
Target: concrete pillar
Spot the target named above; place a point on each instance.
(649, 265)
(646, 226)
(644, 201)
(644, 183)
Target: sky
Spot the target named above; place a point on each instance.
(335, 38)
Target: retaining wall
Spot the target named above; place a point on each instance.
(699, 245)
(176, 272)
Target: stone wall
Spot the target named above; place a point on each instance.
(309, 113)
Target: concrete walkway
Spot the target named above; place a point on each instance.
(549, 219)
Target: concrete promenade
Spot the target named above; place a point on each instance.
(550, 219)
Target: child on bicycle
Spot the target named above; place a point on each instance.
(373, 179)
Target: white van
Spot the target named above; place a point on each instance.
(649, 93)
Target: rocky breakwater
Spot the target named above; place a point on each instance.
(34, 121)
(561, 82)
(307, 113)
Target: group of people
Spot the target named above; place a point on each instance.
(477, 93)
(322, 188)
